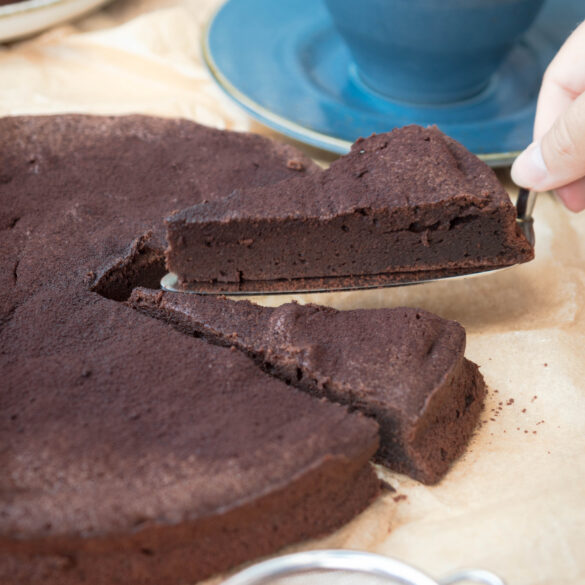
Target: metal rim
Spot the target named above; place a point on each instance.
(352, 561)
(331, 560)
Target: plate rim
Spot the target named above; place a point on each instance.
(29, 6)
(19, 21)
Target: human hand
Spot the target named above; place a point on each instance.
(556, 158)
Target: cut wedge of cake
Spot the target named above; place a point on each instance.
(407, 205)
(403, 367)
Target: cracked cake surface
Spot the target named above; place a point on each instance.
(131, 453)
(409, 203)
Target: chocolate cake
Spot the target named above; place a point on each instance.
(129, 452)
(403, 367)
(405, 205)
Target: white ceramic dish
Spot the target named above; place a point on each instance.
(22, 19)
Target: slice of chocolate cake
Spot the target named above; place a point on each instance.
(131, 454)
(404, 367)
(405, 205)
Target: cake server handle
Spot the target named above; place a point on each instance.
(524, 208)
(525, 204)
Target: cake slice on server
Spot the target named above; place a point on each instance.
(403, 367)
(408, 205)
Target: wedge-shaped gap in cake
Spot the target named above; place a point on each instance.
(142, 265)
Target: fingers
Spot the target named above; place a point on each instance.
(559, 157)
(573, 195)
(563, 82)
(556, 158)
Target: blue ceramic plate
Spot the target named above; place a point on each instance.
(287, 66)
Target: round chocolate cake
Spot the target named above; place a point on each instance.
(129, 452)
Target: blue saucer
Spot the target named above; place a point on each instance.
(287, 66)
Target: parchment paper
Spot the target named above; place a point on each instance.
(515, 502)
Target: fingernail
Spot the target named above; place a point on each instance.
(529, 169)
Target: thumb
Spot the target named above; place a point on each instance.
(558, 159)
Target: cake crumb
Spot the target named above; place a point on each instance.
(400, 497)
(295, 165)
(509, 402)
(534, 398)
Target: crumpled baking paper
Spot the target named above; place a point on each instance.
(515, 502)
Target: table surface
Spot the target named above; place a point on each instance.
(515, 502)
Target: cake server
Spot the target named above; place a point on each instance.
(169, 282)
(352, 563)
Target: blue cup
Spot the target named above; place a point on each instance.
(430, 51)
